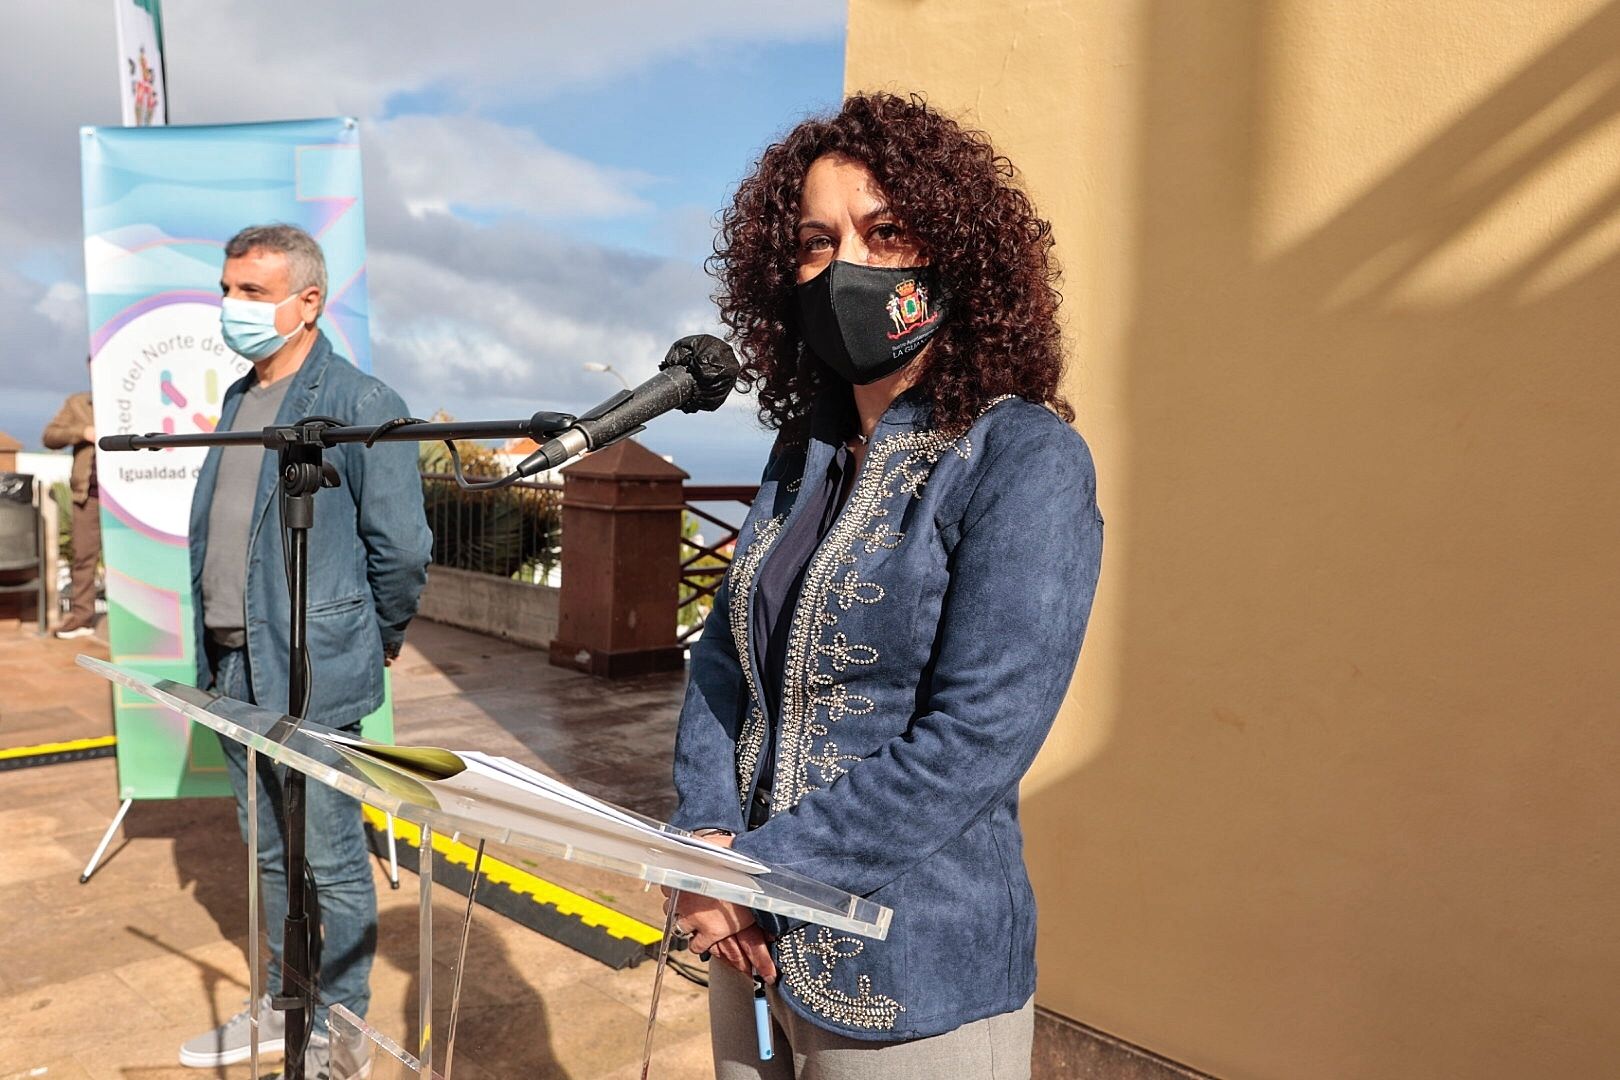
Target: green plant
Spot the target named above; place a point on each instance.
(697, 610)
(511, 532)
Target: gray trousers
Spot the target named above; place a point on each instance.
(995, 1048)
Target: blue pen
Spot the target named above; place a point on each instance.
(762, 1020)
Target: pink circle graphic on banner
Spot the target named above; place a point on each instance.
(152, 373)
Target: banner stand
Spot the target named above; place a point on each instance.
(123, 808)
(159, 204)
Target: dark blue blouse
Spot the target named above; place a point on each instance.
(782, 578)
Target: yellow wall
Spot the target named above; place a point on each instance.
(1337, 790)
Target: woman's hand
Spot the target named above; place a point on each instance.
(749, 952)
(707, 921)
(724, 928)
(728, 930)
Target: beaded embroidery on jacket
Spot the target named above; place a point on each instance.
(799, 957)
(815, 697)
(752, 739)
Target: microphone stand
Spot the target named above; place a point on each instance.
(303, 473)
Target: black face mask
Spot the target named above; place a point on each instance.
(866, 322)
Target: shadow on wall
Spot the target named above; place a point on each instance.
(1356, 812)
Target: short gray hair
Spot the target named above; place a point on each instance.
(306, 265)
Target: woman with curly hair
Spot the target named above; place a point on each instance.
(906, 603)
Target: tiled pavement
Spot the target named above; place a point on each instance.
(107, 979)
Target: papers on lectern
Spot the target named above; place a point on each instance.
(500, 791)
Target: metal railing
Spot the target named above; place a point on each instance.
(514, 532)
(704, 563)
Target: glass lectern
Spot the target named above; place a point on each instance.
(447, 976)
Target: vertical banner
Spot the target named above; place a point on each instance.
(140, 62)
(159, 204)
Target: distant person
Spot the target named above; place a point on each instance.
(368, 556)
(75, 426)
(906, 603)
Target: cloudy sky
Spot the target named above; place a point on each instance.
(541, 179)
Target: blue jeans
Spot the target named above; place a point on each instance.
(337, 854)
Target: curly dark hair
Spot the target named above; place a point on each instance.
(956, 196)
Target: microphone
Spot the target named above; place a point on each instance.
(698, 374)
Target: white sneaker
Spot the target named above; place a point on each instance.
(228, 1043)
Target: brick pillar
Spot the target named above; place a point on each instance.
(621, 530)
(8, 452)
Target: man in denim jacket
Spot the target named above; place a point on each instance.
(368, 555)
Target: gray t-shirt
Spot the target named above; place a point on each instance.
(224, 576)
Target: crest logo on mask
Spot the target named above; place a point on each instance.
(908, 310)
(867, 322)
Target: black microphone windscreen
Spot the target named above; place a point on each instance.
(714, 368)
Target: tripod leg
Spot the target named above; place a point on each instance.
(101, 848)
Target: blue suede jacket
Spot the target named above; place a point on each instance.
(935, 636)
(368, 551)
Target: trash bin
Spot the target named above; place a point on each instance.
(20, 564)
(17, 487)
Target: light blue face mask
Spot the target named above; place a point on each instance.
(249, 327)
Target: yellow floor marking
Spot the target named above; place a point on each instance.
(539, 889)
(58, 747)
